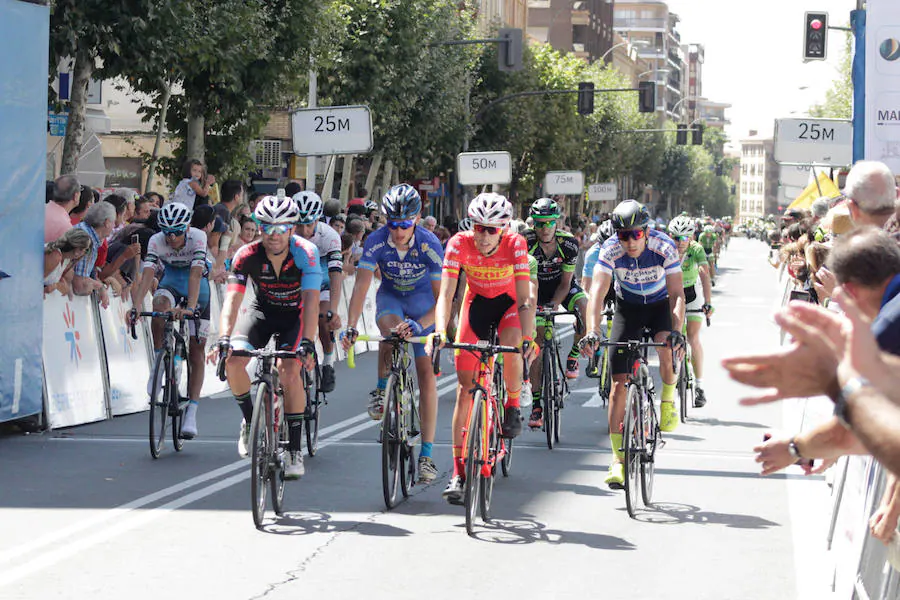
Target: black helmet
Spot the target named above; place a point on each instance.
(544, 208)
(630, 214)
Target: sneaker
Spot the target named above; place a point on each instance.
(615, 477)
(455, 490)
(189, 422)
(536, 420)
(327, 382)
(376, 404)
(699, 398)
(293, 468)
(427, 470)
(571, 368)
(668, 416)
(512, 422)
(244, 440)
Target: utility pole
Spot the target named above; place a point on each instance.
(311, 160)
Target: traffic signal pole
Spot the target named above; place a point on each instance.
(502, 99)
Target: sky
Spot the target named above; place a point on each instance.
(754, 57)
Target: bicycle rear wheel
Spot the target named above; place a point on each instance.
(548, 391)
(281, 440)
(474, 459)
(261, 443)
(390, 445)
(159, 402)
(683, 388)
(632, 441)
(487, 481)
(313, 404)
(648, 457)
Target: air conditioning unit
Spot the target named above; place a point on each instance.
(266, 153)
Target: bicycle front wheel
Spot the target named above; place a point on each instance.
(181, 395)
(407, 417)
(390, 445)
(648, 457)
(487, 480)
(474, 459)
(281, 441)
(548, 391)
(683, 388)
(159, 402)
(311, 424)
(632, 440)
(261, 443)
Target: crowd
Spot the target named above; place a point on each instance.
(844, 262)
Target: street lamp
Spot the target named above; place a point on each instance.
(664, 71)
(677, 104)
(625, 43)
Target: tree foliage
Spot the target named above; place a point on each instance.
(838, 103)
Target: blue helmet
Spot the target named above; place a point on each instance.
(401, 202)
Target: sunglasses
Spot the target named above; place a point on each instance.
(631, 234)
(274, 229)
(173, 232)
(680, 238)
(488, 229)
(543, 224)
(406, 224)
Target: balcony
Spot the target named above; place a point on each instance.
(633, 24)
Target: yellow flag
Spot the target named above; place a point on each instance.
(826, 188)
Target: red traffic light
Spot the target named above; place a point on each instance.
(816, 24)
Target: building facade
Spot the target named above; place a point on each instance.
(758, 188)
(654, 26)
(506, 13)
(584, 27)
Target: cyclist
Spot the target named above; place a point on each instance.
(710, 242)
(409, 259)
(286, 275)
(179, 252)
(604, 232)
(649, 293)
(328, 242)
(694, 266)
(556, 253)
(497, 296)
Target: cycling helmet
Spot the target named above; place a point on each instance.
(605, 231)
(517, 226)
(401, 202)
(309, 207)
(174, 216)
(681, 226)
(630, 214)
(544, 208)
(709, 229)
(370, 206)
(489, 208)
(465, 224)
(272, 210)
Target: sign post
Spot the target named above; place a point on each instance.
(332, 130)
(817, 142)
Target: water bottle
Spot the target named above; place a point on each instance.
(525, 399)
(178, 366)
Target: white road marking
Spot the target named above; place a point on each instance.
(595, 401)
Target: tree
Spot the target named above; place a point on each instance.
(838, 102)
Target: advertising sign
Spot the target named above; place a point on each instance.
(128, 360)
(883, 82)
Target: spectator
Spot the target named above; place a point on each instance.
(429, 223)
(125, 245)
(121, 205)
(195, 184)
(254, 198)
(89, 197)
(66, 196)
(346, 248)
(373, 214)
(331, 209)
(871, 193)
(292, 188)
(49, 186)
(98, 222)
(60, 256)
(443, 235)
(249, 230)
(156, 199)
(232, 196)
(206, 220)
(338, 222)
(142, 208)
(356, 227)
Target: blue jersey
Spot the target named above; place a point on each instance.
(590, 260)
(407, 275)
(640, 280)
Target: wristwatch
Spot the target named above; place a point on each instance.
(793, 450)
(840, 402)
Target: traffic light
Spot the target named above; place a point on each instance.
(681, 135)
(509, 54)
(697, 135)
(815, 36)
(647, 96)
(585, 98)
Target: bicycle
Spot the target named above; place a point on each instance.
(170, 375)
(269, 434)
(641, 436)
(314, 402)
(554, 386)
(599, 367)
(685, 384)
(400, 428)
(483, 446)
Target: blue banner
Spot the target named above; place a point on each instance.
(24, 34)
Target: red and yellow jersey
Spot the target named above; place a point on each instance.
(488, 276)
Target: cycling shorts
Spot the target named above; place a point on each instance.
(254, 328)
(574, 295)
(174, 296)
(628, 323)
(414, 306)
(478, 317)
(693, 297)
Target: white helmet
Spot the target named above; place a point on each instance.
(465, 224)
(276, 210)
(174, 216)
(681, 226)
(309, 206)
(605, 231)
(490, 209)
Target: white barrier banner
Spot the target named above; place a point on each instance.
(72, 369)
(127, 360)
(211, 383)
(368, 314)
(348, 284)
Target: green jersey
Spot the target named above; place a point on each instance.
(532, 267)
(708, 240)
(694, 258)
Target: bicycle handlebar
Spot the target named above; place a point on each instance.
(697, 311)
(391, 339)
(167, 315)
(261, 353)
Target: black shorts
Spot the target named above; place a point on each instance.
(628, 323)
(254, 329)
(545, 294)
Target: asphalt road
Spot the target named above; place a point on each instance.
(86, 512)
